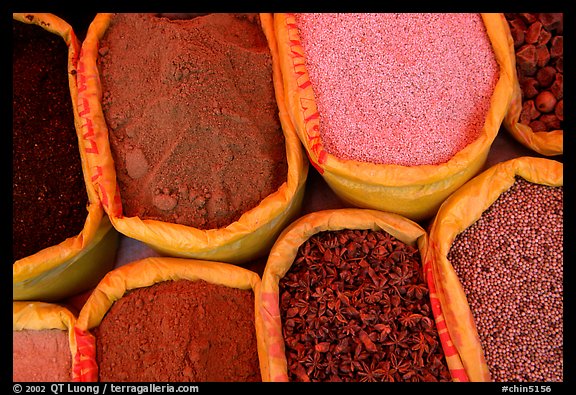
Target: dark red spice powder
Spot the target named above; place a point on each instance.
(49, 194)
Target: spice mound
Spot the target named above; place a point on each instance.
(49, 195)
(177, 331)
(510, 264)
(194, 127)
(539, 48)
(355, 307)
(404, 89)
(41, 356)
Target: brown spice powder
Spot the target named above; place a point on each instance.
(179, 331)
(194, 127)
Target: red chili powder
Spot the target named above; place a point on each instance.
(406, 89)
(178, 331)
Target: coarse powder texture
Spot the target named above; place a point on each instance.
(510, 264)
(179, 331)
(194, 127)
(49, 195)
(405, 89)
(41, 355)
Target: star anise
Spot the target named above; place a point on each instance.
(387, 371)
(313, 363)
(331, 365)
(306, 255)
(398, 339)
(416, 290)
(350, 328)
(400, 366)
(410, 319)
(400, 275)
(369, 373)
(355, 309)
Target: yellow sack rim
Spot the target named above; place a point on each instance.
(174, 239)
(51, 257)
(147, 272)
(285, 251)
(69, 251)
(457, 213)
(299, 95)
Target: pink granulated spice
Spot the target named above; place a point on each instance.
(405, 89)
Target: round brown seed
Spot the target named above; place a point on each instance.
(545, 101)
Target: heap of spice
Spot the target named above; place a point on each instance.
(510, 264)
(539, 47)
(179, 331)
(194, 128)
(49, 195)
(404, 89)
(41, 356)
(355, 307)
